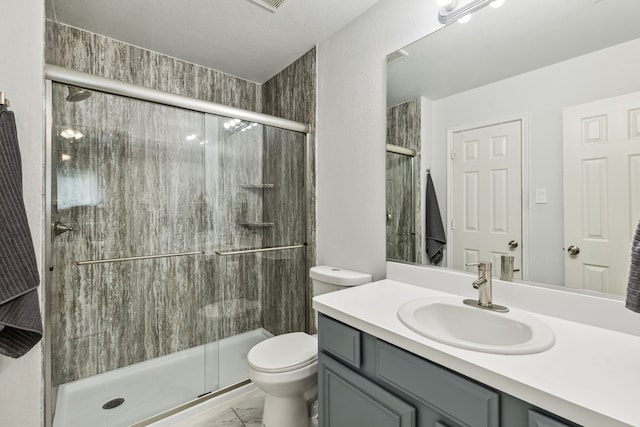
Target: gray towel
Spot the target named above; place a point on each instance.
(633, 288)
(434, 230)
(19, 278)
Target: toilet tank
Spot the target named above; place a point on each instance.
(326, 278)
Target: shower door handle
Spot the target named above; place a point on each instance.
(60, 228)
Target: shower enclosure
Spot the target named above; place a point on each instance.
(178, 241)
(401, 204)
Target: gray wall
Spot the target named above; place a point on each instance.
(291, 94)
(403, 183)
(184, 199)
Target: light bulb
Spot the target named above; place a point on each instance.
(68, 133)
(227, 125)
(496, 3)
(78, 135)
(447, 4)
(465, 19)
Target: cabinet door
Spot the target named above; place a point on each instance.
(347, 399)
(538, 420)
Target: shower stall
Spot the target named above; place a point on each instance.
(178, 241)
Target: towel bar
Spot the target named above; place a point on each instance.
(251, 251)
(136, 258)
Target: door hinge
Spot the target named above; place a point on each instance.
(453, 155)
(453, 225)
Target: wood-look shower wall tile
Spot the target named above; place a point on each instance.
(291, 94)
(88, 52)
(284, 296)
(403, 124)
(239, 306)
(284, 203)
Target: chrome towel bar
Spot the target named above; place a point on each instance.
(251, 251)
(136, 258)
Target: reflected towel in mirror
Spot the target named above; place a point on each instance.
(633, 288)
(435, 236)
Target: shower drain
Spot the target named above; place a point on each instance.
(113, 403)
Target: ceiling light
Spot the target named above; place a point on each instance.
(496, 3)
(71, 134)
(68, 133)
(448, 15)
(447, 4)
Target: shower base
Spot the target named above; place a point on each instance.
(139, 391)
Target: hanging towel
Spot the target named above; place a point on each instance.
(633, 288)
(434, 230)
(19, 279)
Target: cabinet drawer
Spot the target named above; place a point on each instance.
(463, 401)
(339, 340)
(348, 399)
(537, 419)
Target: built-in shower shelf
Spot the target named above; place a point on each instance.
(256, 186)
(256, 224)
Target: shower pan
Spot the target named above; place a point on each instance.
(178, 241)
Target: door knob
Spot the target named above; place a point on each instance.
(573, 250)
(60, 228)
(513, 244)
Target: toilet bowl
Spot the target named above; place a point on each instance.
(285, 367)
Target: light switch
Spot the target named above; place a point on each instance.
(541, 196)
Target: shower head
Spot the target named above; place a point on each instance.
(77, 94)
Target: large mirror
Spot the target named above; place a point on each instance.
(529, 123)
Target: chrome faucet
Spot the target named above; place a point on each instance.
(483, 285)
(506, 267)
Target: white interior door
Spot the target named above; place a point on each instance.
(486, 195)
(601, 191)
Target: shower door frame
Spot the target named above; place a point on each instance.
(55, 74)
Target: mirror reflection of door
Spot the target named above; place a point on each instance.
(400, 207)
(486, 199)
(602, 191)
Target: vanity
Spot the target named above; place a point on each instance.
(376, 371)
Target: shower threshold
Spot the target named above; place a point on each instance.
(127, 395)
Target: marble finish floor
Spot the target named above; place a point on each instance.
(245, 411)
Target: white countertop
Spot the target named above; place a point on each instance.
(591, 375)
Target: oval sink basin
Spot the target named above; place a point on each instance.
(449, 321)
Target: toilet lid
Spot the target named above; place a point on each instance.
(284, 353)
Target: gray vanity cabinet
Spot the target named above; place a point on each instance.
(366, 382)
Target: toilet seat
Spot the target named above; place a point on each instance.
(284, 353)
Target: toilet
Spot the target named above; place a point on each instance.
(285, 367)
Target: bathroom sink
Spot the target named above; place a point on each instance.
(449, 321)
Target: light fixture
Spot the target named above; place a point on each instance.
(237, 125)
(191, 137)
(450, 11)
(71, 134)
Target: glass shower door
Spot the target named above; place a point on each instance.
(256, 188)
(401, 244)
(129, 277)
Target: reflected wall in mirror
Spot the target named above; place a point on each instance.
(558, 82)
(403, 181)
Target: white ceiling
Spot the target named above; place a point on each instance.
(237, 37)
(521, 36)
